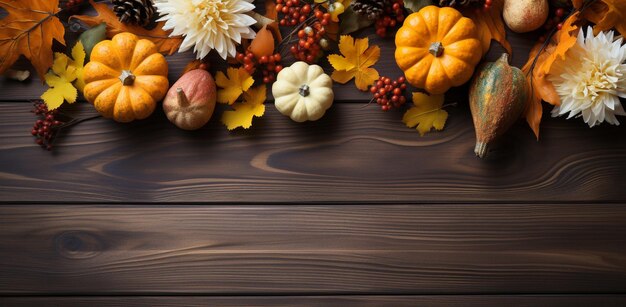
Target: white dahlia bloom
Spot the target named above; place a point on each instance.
(591, 78)
(208, 24)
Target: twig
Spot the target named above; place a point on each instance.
(549, 39)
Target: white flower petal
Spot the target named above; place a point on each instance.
(208, 24)
(591, 78)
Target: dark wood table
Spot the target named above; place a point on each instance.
(352, 210)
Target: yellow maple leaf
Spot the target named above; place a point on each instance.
(355, 62)
(246, 110)
(237, 82)
(60, 82)
(164, 42)
(78, 61)
(427, 113)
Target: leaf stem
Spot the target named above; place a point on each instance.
(451, 104)
(72, 122)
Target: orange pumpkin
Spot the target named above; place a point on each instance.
(125, 77)
(437, 48)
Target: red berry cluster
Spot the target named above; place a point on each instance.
(293, 12)
(555, 21)
(269, 65)
(392, 16)
(44, 128)
(389, 94)
(311, 39)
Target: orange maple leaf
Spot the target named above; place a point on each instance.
(564, 39)
(490, 25)
(28, 30)
(158, 36)
(606, 14)
(538, 67)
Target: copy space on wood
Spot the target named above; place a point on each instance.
(321, 249)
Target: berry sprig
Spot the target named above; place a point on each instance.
(293, 12)
(393, 16)
(311, 39)
(556, 21)
(389, 94)
(268, 65)
(47, 126)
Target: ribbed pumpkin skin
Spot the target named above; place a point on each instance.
(288, 99)
(461, 52)
(112, 99)
(497, 97)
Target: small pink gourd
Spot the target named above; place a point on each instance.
(190, 102)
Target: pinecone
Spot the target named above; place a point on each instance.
(372, 9)
(459, 3)
(138, 12)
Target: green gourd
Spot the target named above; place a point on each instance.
(498, 95)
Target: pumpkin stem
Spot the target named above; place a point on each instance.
(127, 77)
(436, 49)
(182, 98)
(305, 90)
(504, 58)
(481, 149)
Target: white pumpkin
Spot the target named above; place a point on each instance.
(303, 92)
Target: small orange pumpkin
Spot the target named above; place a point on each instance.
(437, 48)
(125, 77)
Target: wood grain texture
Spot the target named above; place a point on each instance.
(352, 154)
(326, 301)
(304, 249)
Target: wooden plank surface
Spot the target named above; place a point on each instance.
(534, 218)
(304, 249)
(353, 154)
(325, 301)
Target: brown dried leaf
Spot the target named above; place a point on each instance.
(490, 25)
(28, 29)
(606, 14)
(158, 36)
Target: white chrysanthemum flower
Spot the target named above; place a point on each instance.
(208, 24)
(591, 78)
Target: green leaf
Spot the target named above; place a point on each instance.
(93, 36)
(351, 21)
(416, 5)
